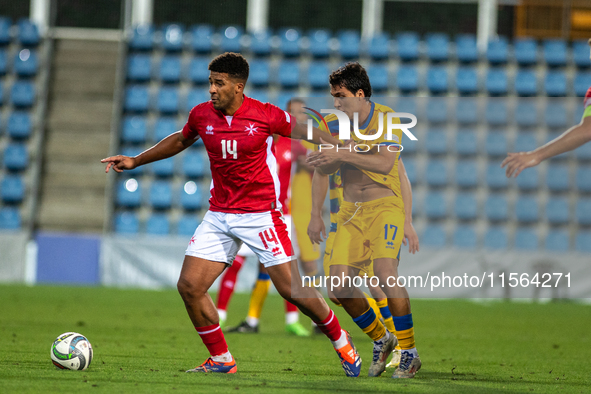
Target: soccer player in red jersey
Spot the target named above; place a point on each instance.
(569, 140)
(237, 132)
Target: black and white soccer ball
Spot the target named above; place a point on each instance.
(71, 351)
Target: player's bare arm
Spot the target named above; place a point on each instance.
(381, 162)
(569, 140)
(169, 146)
(410, 235)
(316, 226)
(300, 132)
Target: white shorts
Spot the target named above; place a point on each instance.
(220, 235)
(245, 251)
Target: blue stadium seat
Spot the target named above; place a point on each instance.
(466, 142)
(407, 78)
(201, 38)
(555, 83)
(437, 47)
(467, 173)
(497, 82)
(466, 206)
(319, 38)
(289, 74)
(193, 164)
(495, 176)
(555, 52)
(260, 44)
(349, 41)
(556, 115)
(12, 189)
(191, 196)
(498, 51)
(261, 95)
(558, 177)
(583, 211)
(172, 38)
(3, 62)
(526, 83)
(289, 45)
(526, 209)
(410, 166)
(158, 224)
(529, 179)
(583, 152)
(139, 67)
(496, 144)
(5, 25)
(438, 110)
(467, 111)
(583, 241)
(434, 236)
(496, 207)
(16, 157)
(379, 47)
(163, 168)
(187, 224)
(582, 82)
(129, 193)
(497, 112)
(231, 38)
(436, 173)
(436, 142)
(26, 63)
(526, 51)
(318, 73)
(142, 38)
(259, 73)
(170, 69)
(28, 33)
(134, 130)
(583, 178)
(557, 210)
(137, 98)
(160, 196)
(196, 96)
(127, 223)
(581, 54)
(10, 218)
(198, 72)
(133, 150)
(437, 81)
(465, 237)
(19, 125)
(466, 49)
(378, 75)
(167, 100)
(164, 126)
(408, 46)
(284, 96)
(496, 238)
(526, 239)
(526, 113)
(22, 94)
(557, 240)
(409, 146)
(467, 80)
(525, 141)
(407, 104)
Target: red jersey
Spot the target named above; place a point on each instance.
(243, 167)
(283, 155)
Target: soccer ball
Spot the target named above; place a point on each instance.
(71, 351)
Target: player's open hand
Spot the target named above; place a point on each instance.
(315, 228)
(410, 238)
(119, 163)
(517, 162)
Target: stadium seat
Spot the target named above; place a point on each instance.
(19, 125)
(186, 225)
(467, 173)
(437, 47)
(583, 241)
(436, 173)
(261, 95)
(16, 157)
(379, 47)
(196, 96)
(134, 130)
(528, 179)
(583, 178)
(28, 33)
(164, 126)
(496, 238)
(436, 141)
(407, 105)
(558, 177)
(139, 67)
(12, 189)
(466, 49)
(526, 83)
(557, 240)
(434, 236)
(437, 81)
(191, 196)
(259, 73)
(170, 69)
(498, 51)
(160, 196)
(497, 82)
(467, 111)
(556, 115)
(555, 53)
(526, 51)
(133, 150)
(349, 41)
(435, 205)
(167, 100)
(3, 62)
(582, 82)
(289, 74)
(231, 38)
(410, 166)
(260, 43)
(408, 46)
(437, 110)
(583, 152)
(527, 113)
(466, 206)
(526, 209)
(318, 73)
(26, 63)
(193, 164)
(22, 94)
(289, 45)
(579, 111)
(201, 38)
(129, 193)
(407, 78)
(163, 168)
(5, 25)
(127, 223)
(526, 239)
(557, 210)
(10, 218)
(378, 75)
(467, 80)
(136, 98)
(581, 54)
(497, 112)
(172, 38)
(496, 207)
(525, 141)
(319, 39)
(142, 38)
(465, 237)
(158, 224)
(198, 72)
(466, 142)
(583, 211)
(496, 144)
(555, 83)
(495, 176)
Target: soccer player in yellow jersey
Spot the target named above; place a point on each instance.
(371, 219)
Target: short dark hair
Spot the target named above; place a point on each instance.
(351, 76)
(233, 64)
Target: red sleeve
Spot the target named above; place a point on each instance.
(280, 121)
(190, 129)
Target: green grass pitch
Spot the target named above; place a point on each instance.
(143, 342)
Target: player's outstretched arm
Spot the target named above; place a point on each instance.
(319, 189)
(381, 162)
(300, 132)
(169, 146)
(569, 140)
(410, 235)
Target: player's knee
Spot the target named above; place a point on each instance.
(343, 292)
(188, 289)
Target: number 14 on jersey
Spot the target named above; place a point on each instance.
(229, 148)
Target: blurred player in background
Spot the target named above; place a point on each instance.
(244, 208)
(569, 140)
